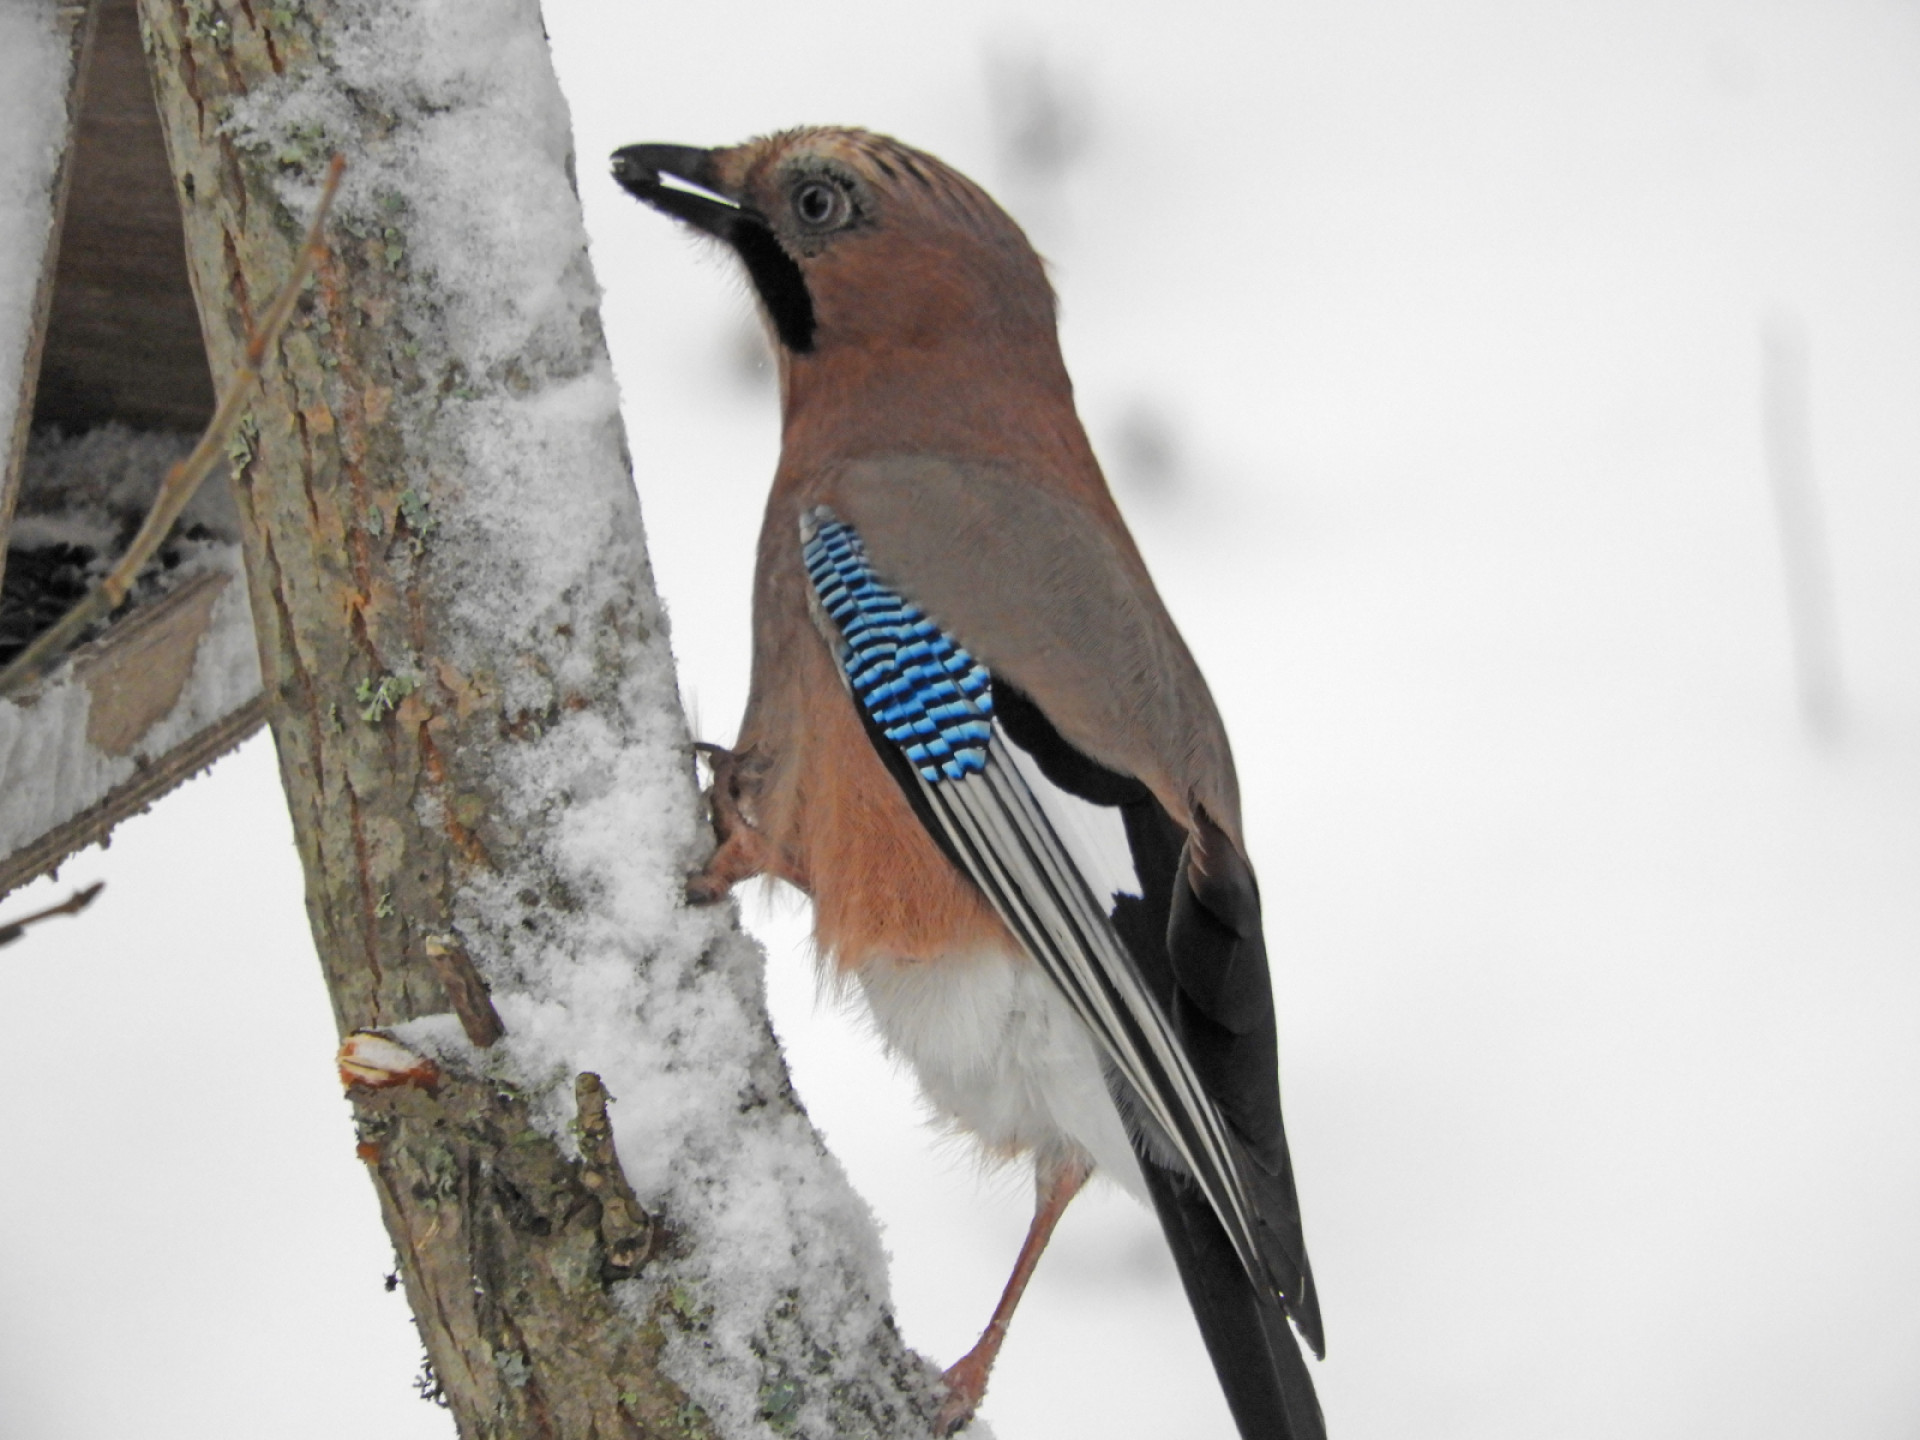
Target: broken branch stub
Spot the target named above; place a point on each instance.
(72, 905)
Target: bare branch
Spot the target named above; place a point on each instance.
(72, 905)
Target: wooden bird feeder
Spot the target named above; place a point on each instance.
(115, 383)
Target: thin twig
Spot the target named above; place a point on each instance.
(184, 478)
(72, 905)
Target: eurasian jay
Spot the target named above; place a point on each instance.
(976, 740)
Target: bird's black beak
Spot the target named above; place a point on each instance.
(700, 201)
(643, 171)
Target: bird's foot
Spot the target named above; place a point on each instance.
(737, 856)
(743, 852)
(737, 859)
(966, 1384)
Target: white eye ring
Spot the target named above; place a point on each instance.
(820, 205)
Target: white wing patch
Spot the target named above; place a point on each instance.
(1095, 835)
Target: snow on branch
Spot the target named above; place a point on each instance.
(477, 711)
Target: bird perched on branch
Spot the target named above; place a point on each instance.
(976, 740)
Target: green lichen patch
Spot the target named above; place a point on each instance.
(379, 699)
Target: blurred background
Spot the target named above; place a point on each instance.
(1519, 407)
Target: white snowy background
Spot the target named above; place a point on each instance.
(1424, 345)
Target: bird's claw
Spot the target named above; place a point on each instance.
(966, 1384)
(736, 857)
(740, 857)
(704, 888)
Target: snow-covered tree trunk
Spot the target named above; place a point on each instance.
(483, 751)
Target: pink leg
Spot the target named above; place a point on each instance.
(967, 1380)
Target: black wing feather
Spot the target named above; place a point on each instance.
(1194, 934)
(1195, 937)
(1261, 1371)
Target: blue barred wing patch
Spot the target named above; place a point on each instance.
(926, 693)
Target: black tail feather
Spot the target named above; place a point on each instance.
(1252, 1345)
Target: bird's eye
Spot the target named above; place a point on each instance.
(820, 205)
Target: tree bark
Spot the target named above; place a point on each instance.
(484, 756)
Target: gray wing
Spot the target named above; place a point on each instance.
(1051, 595)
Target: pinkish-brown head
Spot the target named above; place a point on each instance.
(854, 240)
